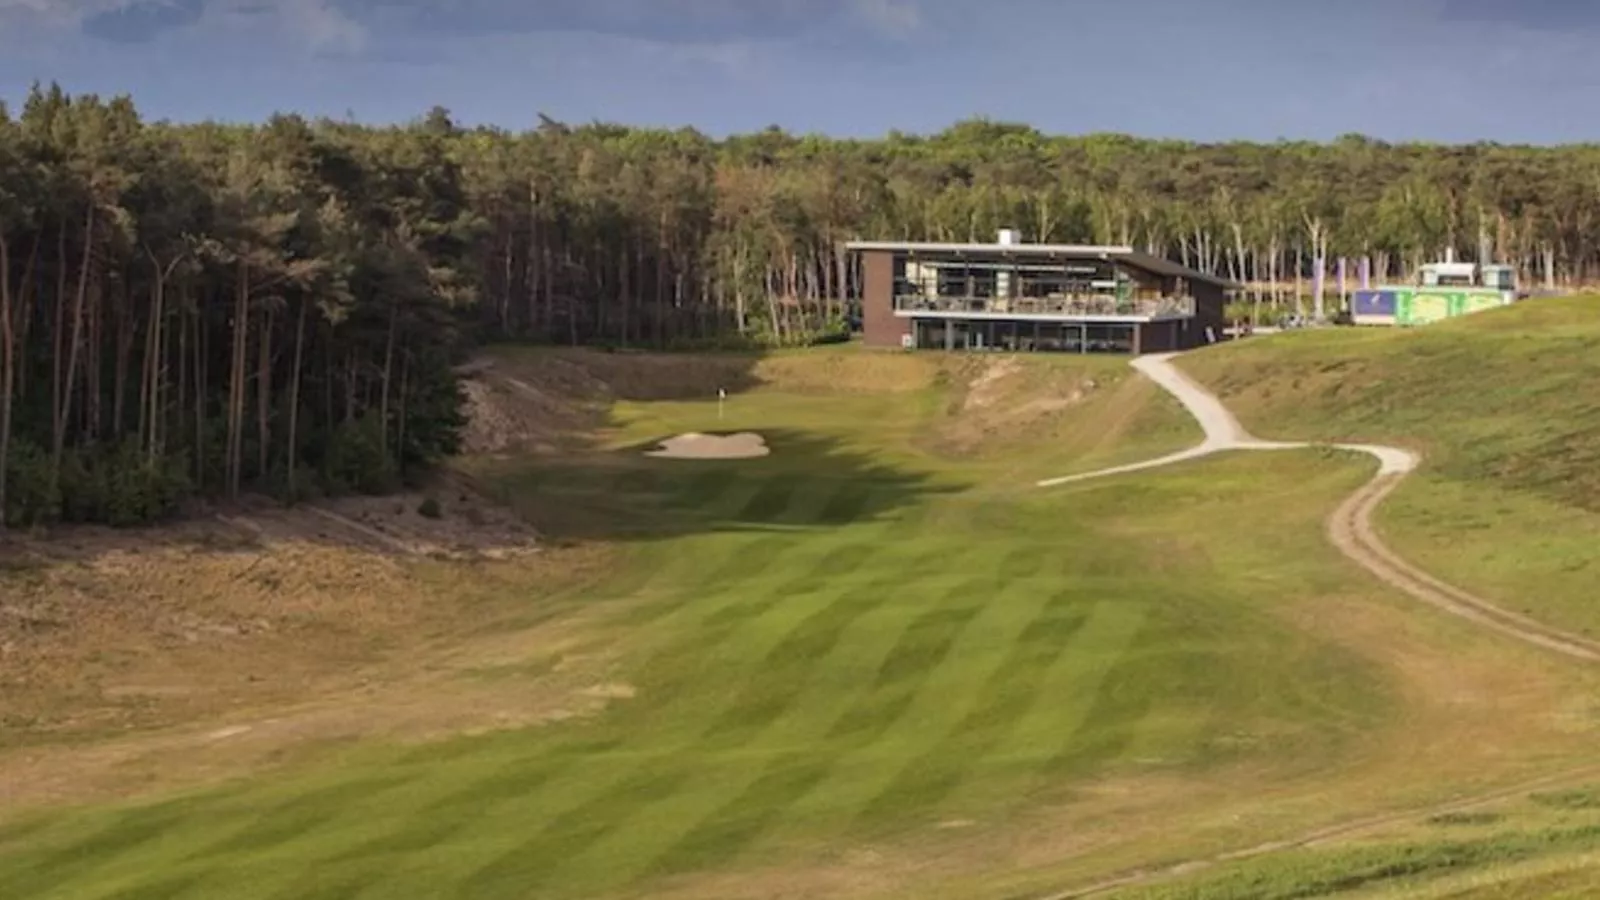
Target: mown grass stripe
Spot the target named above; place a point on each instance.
(731, 807)
(121, 835)
(988, 735)
(299, 816)
(718, 497)
(901, 790)
(754, 712)
(521, 869)
(921, 647)
(1078, 685)
(845, 506)
(756, 562)
(785, 666)
(444, 810)
(583, 799)
(741, 819)
(599, 782)
(1009, 692)
(770, 502)
(829, 566)
(939, 692)
(839, 563)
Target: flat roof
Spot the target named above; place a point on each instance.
(1147, 261)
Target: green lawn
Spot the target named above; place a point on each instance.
(1503, 404)
(858, 642)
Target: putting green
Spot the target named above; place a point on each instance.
(850, 643)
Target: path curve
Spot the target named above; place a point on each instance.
(1350, 527)
(1351, 531)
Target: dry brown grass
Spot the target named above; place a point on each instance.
(1083, 410)
(171, 663)
(130, 658)
(865, 372)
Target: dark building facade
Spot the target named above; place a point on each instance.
(1035, 297)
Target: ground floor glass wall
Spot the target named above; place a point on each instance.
(1059, 337)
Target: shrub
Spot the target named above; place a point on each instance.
(121, 485)
(30, 500)
(356, 461)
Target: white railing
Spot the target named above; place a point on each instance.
(1062, 305)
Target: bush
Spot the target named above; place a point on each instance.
(429, 509)
(120, 486)
(355, 461)
(29, 497)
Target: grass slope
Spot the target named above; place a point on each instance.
(1545, 844)
(1502, 403)
(871, 664)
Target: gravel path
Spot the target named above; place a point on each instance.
(1350, 527)
(1351, 531)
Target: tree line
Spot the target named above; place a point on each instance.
(206, 309)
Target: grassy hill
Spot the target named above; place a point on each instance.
(1503, 404)
(877, 663)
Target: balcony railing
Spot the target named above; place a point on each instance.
(1060, 305)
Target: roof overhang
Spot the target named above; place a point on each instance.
(1121, 253)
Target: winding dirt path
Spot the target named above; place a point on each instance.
(1350, 527)
(1351, 531)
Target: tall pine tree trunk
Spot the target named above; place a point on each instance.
(400, 428)
(388, 370)
(22, 305)
(58, 334)
(292, 446)
(64, 413)
(201, 385)
(236, 386)
(8, 372)
(264, 395)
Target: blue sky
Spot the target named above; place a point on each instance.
(1445, 70)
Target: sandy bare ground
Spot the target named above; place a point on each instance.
(1350, 527)
(744, 445)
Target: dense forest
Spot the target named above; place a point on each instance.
(208, 309)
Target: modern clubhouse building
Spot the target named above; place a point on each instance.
(1034, 297)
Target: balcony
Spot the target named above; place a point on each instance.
(1103, 307)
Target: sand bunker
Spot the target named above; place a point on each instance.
(744, 445)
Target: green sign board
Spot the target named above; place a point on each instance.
(1419, 306)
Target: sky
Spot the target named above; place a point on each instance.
(1511, 71)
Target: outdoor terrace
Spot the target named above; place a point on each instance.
(1105, 307)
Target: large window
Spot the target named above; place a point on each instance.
(1022, 336)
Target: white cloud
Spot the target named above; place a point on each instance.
(323, 25)
(17, 13)
(895, 18)
(318, 23)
